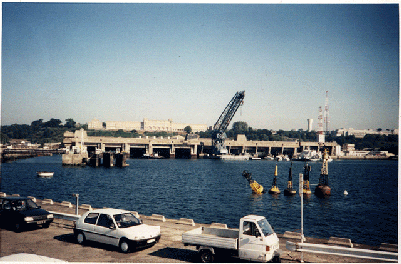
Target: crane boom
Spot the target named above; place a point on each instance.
(218, 135)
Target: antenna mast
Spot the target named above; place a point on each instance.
(326, 113)
(320, 133)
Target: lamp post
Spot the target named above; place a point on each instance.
(301, 193)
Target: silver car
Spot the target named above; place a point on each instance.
(115, 227)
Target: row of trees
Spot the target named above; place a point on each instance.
(263, 134)
(53, 130)
(39, 132)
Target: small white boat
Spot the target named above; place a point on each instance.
(45, 174)
(234, 157)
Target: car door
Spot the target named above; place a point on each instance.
(8, 214)
(88, 226)
(105, 230)
(251, 244)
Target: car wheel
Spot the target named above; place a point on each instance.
(81, 238)
(206, 256)
(46, 225)
(124, 246)
(17, 227)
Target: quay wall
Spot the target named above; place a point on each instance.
(66, 211)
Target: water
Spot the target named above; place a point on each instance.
(215, 191)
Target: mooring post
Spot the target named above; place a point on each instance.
(76, 195)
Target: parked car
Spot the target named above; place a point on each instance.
(22, 212)
(115, 227)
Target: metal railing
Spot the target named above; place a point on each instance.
(343, 251)
(68, 217)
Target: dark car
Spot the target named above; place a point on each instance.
(21, 212)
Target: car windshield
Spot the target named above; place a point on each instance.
(126, 220)
(31, 204)
(265, 226)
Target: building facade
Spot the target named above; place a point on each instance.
(360, 133)
(95, 124)
(146, 125)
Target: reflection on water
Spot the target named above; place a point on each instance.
(215, 191)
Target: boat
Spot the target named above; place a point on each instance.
(152, 156)
(309, 155)
(234, 157)
(45, 174)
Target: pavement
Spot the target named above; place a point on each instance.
(58, 242)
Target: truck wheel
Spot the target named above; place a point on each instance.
(124, 246)
(276, 259)
(206, 256)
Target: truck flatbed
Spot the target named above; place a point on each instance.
(212, 237)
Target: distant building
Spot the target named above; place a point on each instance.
(146, 125)
(360, 133)
(95, 124)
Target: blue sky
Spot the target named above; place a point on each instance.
(126, 62)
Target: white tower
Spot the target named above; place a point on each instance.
(310, 122)
(320, 133)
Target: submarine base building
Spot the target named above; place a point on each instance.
(145, 125)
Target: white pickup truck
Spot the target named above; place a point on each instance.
(255, 240)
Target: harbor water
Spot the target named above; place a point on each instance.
(214, 191)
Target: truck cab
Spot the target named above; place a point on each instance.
(257, 240)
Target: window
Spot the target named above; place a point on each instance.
(7, 205)
(266, 227)
(250, 229)
(32, 204)
(126, 220)
(18, 205)
(105, 221)
(91, 218)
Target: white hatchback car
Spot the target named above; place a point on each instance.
(115, 227)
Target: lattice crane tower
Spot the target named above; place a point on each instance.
(320, 133)
(326, 113)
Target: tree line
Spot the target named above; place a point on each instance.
(40, 132)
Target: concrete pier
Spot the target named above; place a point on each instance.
(58, 242)
(179, 147)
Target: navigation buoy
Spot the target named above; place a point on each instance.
(256, 187)
(306, 189)
(323, 189)
(274, 189)
(289, 191)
